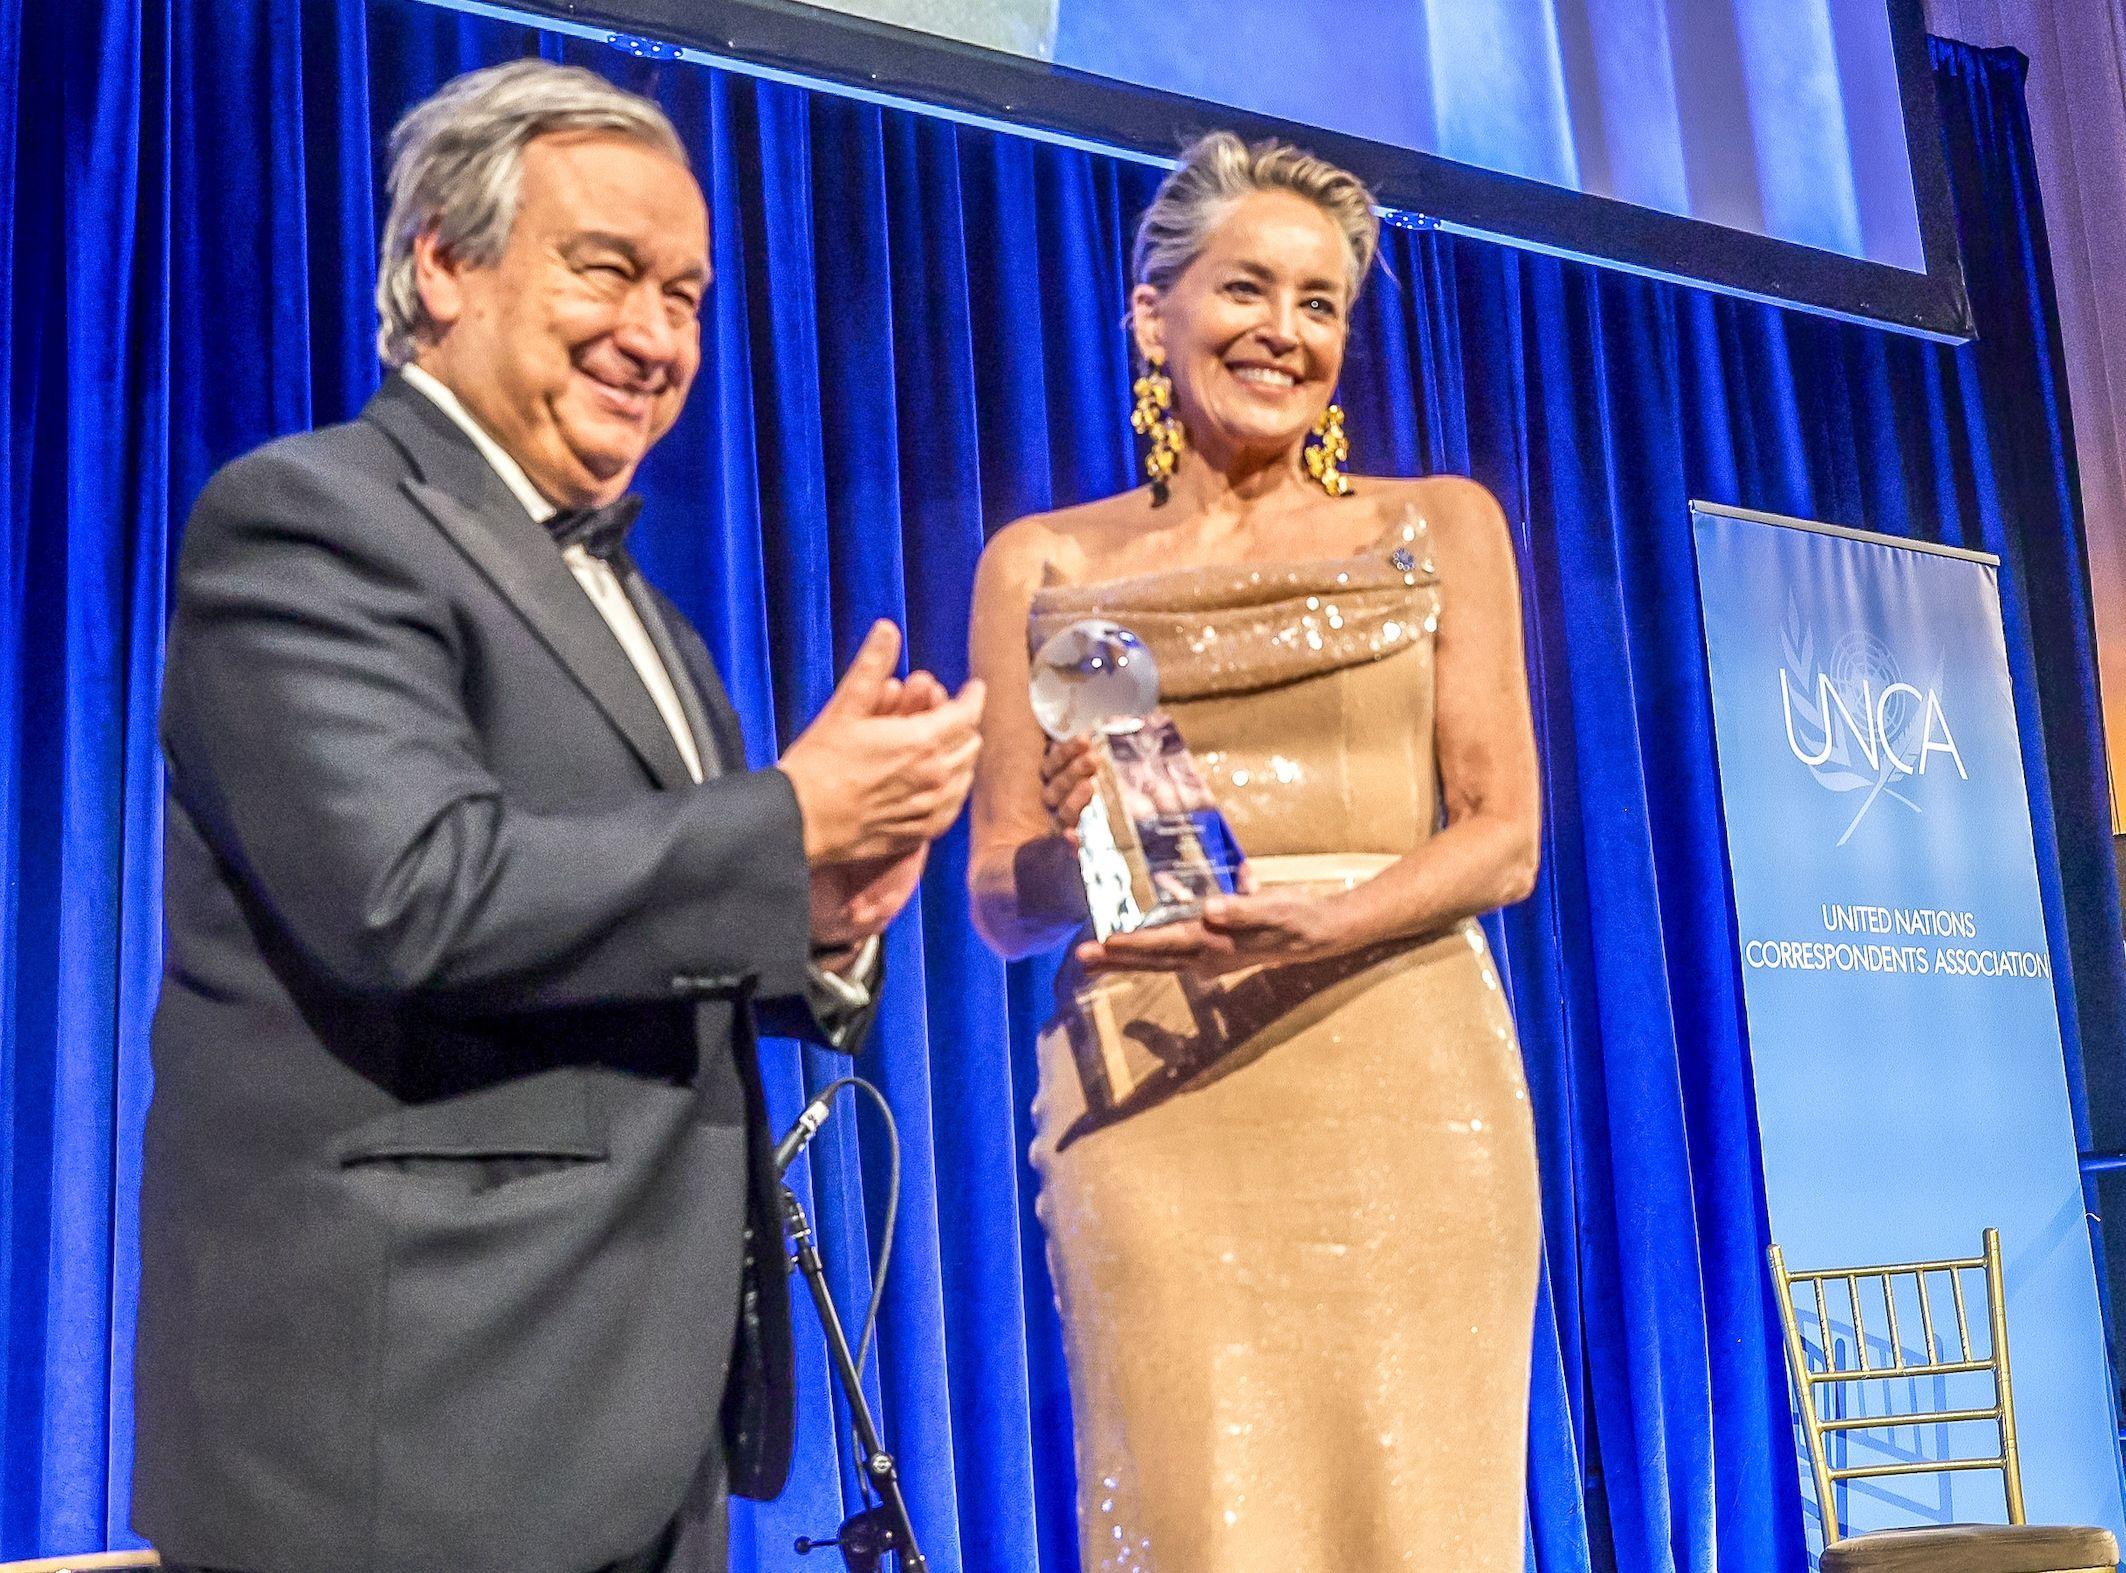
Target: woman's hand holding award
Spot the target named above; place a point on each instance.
(1152, 844)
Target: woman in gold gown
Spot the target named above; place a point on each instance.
(1286, 1157)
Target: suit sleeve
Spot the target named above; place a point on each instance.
(315, 728)
(828, 1013)
(834, 1018)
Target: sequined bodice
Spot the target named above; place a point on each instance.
(1305, 689)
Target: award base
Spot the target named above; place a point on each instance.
(1152, 844)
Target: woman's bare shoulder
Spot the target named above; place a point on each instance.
(1464, 518)
(1440, 496)
(1061, 544)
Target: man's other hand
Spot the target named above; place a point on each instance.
(853, 901)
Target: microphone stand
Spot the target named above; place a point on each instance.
(867, 1535)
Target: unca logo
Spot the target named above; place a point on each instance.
(1854, 720)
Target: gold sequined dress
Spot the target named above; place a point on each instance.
(1292, 1214)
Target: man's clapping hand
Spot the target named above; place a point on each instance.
(880, 773)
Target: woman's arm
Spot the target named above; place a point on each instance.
(1021, 870)
(1486, 855)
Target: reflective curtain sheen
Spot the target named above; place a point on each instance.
(912, 339)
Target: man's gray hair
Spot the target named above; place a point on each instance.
(457, 166)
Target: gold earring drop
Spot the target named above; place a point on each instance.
(1153, 418)
(1327, 452)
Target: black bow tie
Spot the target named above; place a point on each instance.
(599, 531)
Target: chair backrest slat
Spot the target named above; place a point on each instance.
(1931, 1417)
(1997, 1328)
(1810, 1375)
(1940, 1264)
(1926, 1314)
(1823, 1328)
(1940, 1467)
(1797, 1360)
(1938, 1368)
(1963, 1322)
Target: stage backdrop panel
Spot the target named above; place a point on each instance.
(1780, 149)
(1910, 1085)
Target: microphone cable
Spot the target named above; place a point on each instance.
(893, 1203)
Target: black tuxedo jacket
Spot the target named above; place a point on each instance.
(457, 1210)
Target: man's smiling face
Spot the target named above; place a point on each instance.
(575, 347)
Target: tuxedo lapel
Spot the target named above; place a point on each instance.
(467, 501)
(716, 759)
(694, 660)
(521, 562)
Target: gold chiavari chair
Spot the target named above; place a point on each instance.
(89, 1562)
(1822, 1378)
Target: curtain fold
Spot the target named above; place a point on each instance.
(2077, 51)
(914, 336)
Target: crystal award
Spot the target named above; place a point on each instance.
(1152, 844)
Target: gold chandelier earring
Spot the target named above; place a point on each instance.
(1153, 418)
(1327, 451)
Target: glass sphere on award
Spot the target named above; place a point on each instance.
(1152, 844)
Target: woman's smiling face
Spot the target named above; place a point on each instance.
(1252, 331)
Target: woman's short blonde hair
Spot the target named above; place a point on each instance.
(1215, 173)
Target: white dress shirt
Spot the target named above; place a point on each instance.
(602, 585)
(596, 575)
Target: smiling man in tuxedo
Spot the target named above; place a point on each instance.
(460, 1250)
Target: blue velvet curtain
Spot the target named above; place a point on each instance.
(913, 338)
